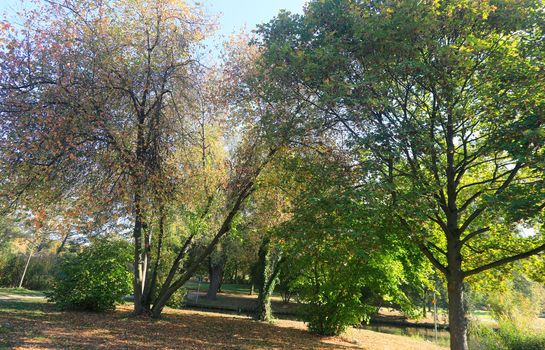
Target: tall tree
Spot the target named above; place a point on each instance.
(446, 98)
(105, 102)
(91, 100)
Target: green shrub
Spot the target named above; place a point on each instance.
(95, 279)
(177, 299)
(332, 310)
(509, 336)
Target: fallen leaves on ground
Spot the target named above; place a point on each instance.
(40, 326)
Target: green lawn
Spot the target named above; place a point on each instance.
(21, 292)
(226, 287)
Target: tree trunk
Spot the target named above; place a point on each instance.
(264, 310)
(170, 287)
(63, 243)
(424, 312)
(424, 304)
(269, 269)
(456, 314)
(25, 269)
(138, 263)
(139, 173)
(153, 279)
(146, 297)
(216, 275)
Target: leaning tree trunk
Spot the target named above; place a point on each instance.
(216, 275)
(25, 269)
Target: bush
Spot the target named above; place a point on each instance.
(95, 279)
(509, 336)
(177, 299)
(332, 310)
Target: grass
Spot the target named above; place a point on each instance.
(226, 287)
(21, 292)
(35, 324)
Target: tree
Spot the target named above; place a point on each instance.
(269, 264)
(106, 103)
(91, 94)
(345, 256)
(216, 265)
(446, 101)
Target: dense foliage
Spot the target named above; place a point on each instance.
(97, 278)
(340, 249)
(344, 152)
(442, 103)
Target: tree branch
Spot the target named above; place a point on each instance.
(432, 258)
(504, 261)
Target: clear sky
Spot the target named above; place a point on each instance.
(237, 13)
(234, 14)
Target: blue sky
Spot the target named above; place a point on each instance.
(234, 14)
(237, 13)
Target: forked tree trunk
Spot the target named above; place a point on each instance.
(171, 285)
(138, 263)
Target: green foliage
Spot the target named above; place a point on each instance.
(519, 300)
(97, 278)
(509, 336)
(332, 302)
(441, 104)
(515, 303)
(40, 273)
(509, 296)
(177, 299)
(344, 258)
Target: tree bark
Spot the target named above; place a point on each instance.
(215, 271)
(139, 226)
(146, 297)
(456, 314)
(137, 264)
(153, 279)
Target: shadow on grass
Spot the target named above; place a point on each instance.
(39, 325)
(21, 292)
